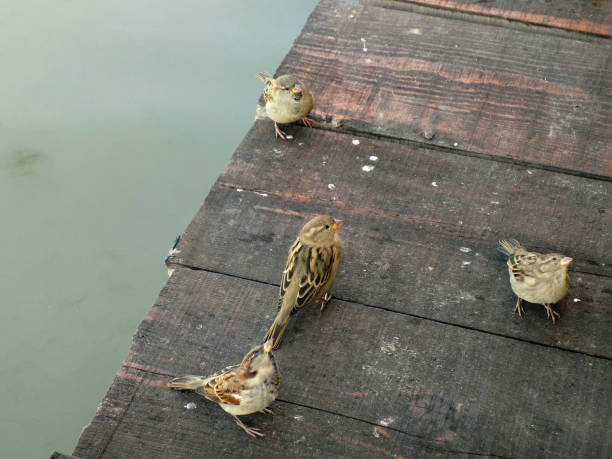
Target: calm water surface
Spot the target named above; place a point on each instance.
(115, 119)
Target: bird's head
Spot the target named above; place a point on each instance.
(320, 231)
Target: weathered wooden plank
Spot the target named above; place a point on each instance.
(181, 334)
(594, 17)
(358, 381)
(422, 230)
(489, 90)
(208, 432)
(467, 197)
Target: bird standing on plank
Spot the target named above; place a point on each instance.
(310, 271)
(240, 389)
(535, 277)
(287, 100)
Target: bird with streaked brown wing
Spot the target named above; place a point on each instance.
(535, 277)
(310, 271)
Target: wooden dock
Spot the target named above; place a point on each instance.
(463, 123)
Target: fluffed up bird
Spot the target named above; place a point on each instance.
(287, 100)
(240, 389)
(312, 266)
(535, 277)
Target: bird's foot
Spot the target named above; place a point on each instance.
(252, 431)
(325, 301)
(279, 132)
(267, 411)
(551, 313)
(519, 307)
(307, 122)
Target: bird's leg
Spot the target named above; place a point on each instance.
(551, 313)
(324, 301)
(252, 431)
(278, 132)
(307, 122)
(267, 411)
(519, 307)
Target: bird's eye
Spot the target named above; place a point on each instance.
(326, 226)
(285, 89)
(554, 258)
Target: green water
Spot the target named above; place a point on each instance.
(115, 119)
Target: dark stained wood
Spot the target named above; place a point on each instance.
(411, 246)
(181, 328)
(358, 382)
(456, 134)
(593, 17)
(484, 89)
(208, 432)
(462, 197)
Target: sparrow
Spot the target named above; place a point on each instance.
(240, 389)
(535, 277)
(312, 266)
(287, 100)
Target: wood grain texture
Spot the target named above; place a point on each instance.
(487, 90)
(460, 196)
(204, 321)
(455, 135)
(411, 246)
(592, 17)
(358, 382)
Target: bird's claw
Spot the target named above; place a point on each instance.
(325, 301)
(279, 132)
(519, 307)
(252, 431)
(551, 313)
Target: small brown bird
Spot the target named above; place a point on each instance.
(312, 266)
(240, 389)
(535, 277)
(287, 100)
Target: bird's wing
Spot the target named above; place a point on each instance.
(268, 93)
(318, 262)
(291, 266)
(223, 387)
(522, 267)
(516, 270)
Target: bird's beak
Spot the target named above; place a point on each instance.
(267, 346)
(338, 224)
(566, 261)
(297, 89)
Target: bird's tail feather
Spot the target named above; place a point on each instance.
(188, 382)
(264, 76)
(509, 246)
(277, 329)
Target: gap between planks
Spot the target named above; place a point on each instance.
(424, 439)
(416, 316)
(428, 446)
(466, 153)
(301, 197)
